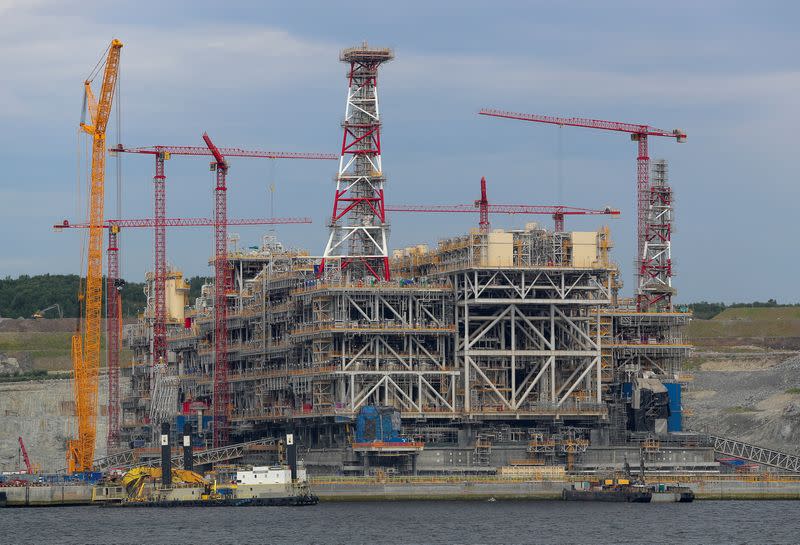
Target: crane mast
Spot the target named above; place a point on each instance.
(86, 343)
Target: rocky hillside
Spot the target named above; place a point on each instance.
(746, 369)
(750, 397)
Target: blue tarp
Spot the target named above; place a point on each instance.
(675, 421)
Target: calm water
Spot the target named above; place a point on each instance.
(408, 523)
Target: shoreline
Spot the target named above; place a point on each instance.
(332, 490)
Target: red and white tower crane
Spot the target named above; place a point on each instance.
(484, 208)
(114, 287)
(222, 284)
(161, 154)
(639, 134)
(358, 240)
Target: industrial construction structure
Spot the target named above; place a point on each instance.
(497, 350)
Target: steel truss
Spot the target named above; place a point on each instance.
(385, 345)
(529, 339)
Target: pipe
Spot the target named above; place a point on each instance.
(166, 462)
(291, 455)
(188, 460)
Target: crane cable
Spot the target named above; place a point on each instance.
(99, 65)
(559, 168)
(118, 159)
(272, 167)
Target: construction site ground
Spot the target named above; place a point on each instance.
(42, 344)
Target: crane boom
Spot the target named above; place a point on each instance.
(181, 222)
(86, 351)
(588, 123)
(530, 209)
(226, 152)
(639, 134)
(483, 207)
(25, 458)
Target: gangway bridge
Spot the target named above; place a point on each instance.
(130, 458)
(754, 453)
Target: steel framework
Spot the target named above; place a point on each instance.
(113, 297)
(528, 340)
(386, 344)
(358, 228)
(656, 289)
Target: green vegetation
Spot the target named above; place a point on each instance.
(46, 350)
(22, 296)
(738, 409)
(706, 311)
(754, 323)
(694, 363)
(793, 391)
(33, 374)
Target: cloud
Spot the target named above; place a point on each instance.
(524, 77)
(48, 59)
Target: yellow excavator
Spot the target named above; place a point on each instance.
(135, 480)
(86, 341)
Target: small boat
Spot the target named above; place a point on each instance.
(664, 493)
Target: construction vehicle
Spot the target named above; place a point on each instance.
(86, 340)
(30, 468)
(137, 478)
(39, 314)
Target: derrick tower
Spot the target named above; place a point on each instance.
(655, 289)
(357, 244)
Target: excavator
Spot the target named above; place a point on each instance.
(86, 340)
(39, 314)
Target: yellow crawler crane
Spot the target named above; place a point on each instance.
(86, 350)
(135, 480)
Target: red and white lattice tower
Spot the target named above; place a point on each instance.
(655, 273)
(358, 244)
(222, 285)
(160, 261)
(113, 314)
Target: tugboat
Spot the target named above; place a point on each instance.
(628, 490)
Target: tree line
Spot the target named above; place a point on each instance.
(25, 295)
(705, 310)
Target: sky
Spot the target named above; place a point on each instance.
(266, 75)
